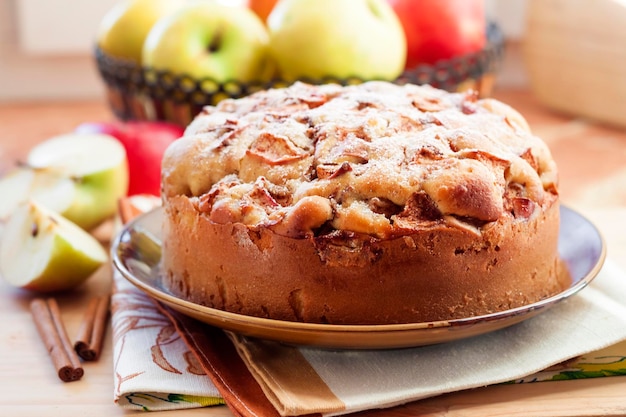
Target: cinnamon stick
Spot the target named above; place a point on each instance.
(88, 343)
(127, 211)
(48, 321)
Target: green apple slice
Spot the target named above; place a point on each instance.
(79, 175)
(42, 251)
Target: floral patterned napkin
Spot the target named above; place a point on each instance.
(154, 368)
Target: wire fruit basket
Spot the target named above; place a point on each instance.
(142, 93)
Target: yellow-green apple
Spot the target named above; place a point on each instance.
(42, 251)
(80, 176)
(338, 38)
(145, 142)
(123, 29)
(210, 40)
(441, 29)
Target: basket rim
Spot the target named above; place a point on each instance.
(126, 75)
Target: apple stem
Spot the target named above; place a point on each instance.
(216, 42)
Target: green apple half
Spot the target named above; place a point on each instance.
(210, 40)
(42, 251)
(338, 38)
(81, 176)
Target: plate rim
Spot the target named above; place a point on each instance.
(179, 304)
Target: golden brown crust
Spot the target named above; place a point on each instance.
(364, 151)
(438, 273)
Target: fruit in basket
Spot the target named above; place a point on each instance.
(210, 40)
(80, 176)
(42, 251)
(145, 142)
(441, 29)
(124, 28)
(337, 38)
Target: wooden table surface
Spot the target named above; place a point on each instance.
(592, 162)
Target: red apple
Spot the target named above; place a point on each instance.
(441, 29)
(145, 143)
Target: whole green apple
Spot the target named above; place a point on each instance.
(211, 40)
(124, 27)
(339, 38)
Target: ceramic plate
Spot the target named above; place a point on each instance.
(136, 253)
